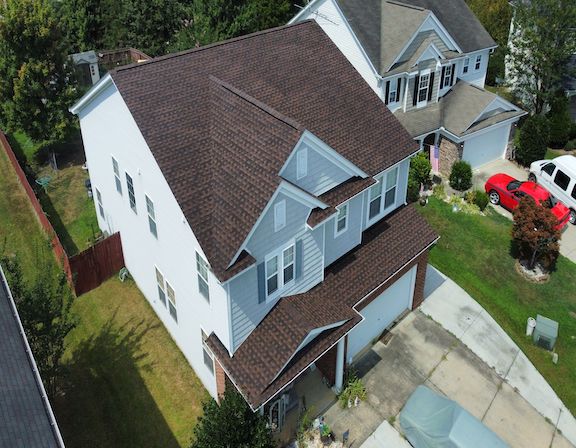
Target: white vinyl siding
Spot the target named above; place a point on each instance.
(131, 195)
(279, 215)
(117, 175)
(202, 267)
(301, 163)
(151, 217)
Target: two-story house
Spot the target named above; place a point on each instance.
(427, 61)
(259, 187)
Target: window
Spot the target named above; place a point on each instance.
(117, 176)
(302, 163)
(131, 195)
(279, 215)
(466, 65)
(574, 191)
(280, 269)
(393, 94)
(208, 360)
(99, 200)
(388, 183)
(478, 62)
(171, 301)
(447, 76)
(342, 220)
(202, 268)
(549, 168)
(161, 287)
(562, 180)
(423, 88)
(151, 217)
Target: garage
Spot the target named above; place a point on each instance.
(382, 312)
(486, 147)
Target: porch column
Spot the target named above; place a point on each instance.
(339, 366)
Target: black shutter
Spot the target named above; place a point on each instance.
(387, 92)
(299, 258)
(452, 76)
(261, 283)
(431, 86)
(398, 89)
(415, 97)
(442, 77)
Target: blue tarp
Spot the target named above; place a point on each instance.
(433, 421)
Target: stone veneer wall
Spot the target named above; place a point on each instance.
(450, 152)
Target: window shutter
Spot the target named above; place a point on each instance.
(431, 86)
(442, 77)
(387, 92)
(415, 96)
(261, 283)
(398, 89)
(452, 76)
(299, 258)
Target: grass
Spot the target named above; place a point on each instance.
(127, 384)
(475, 251)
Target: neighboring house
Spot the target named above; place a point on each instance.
(26, 417)
(86, 64)
(259, 187)
(427, 60)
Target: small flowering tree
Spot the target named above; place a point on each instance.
(535, 234)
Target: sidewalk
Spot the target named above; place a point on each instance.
(460, 314)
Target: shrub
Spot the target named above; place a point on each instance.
(420, 168)
(439, 192)
(572, 135)
(478, 198)
(533, 140)
(461, 176)
(413, 189)
(559, 121)
(570, 145)
(353, 388)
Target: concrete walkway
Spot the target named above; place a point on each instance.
(457, 312)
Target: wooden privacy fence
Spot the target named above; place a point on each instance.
(97, 264)
(88, 269)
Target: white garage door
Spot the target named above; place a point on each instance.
(486, 147)
(381, 312)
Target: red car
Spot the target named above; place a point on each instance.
(507, 191)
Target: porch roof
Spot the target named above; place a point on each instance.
(269, 358)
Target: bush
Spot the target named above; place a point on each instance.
(559, 121)
(420, 168)
(571, 145)
(461, 176)
(533, 140)
(439, 192)
(478, 198)
(413, 189)
(572, 135)
(353, 388)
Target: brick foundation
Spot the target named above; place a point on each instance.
(221, 379)
(420, 280)
(450, 152)
(327, 365)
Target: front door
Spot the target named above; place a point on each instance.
(277, 414)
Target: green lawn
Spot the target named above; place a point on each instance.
(127, 384)
(474, 251)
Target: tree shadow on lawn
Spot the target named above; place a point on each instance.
(63, 235)
(104, 401)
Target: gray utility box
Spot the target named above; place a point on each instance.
(545, 333)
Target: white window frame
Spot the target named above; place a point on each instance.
(206, 352)
(161, 286)
(131, 192)
(478, 62)
(466, 66)
(341, 215)
(99, 202)
(203, 278)
(279, 215)
(171, 301)
(393, 90)
(447, 76)
(280, 268)
(301, 163)
(425, 75)
(151, 216)
(383, 180)
(116, 169)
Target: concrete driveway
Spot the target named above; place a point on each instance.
(481, 175)
(422, 352)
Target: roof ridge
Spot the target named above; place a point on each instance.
(257, 103)
(212, 45)
(399, 3)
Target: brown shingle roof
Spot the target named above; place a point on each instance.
(220, 119)
(256, 367)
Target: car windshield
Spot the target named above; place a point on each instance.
(550, 202)
(514, 185)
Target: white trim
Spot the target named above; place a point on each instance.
(337, 232)
(229, 309)
(383, 210)
(92, 94)
(207, 349)
(424, 103)
(464, 65)
(439, 54)
(301, 163)
(278, 253)
(147, 199)
(279, 215)
(30, 355)
(480, 55)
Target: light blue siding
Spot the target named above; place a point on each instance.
(335, 247)
(322, 175)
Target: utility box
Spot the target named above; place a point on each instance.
(545, 333)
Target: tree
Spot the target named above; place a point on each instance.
(44, 308)
(35, 90)
(559, 120)
(87, 23)
(418, 175)
(542, 41)
(461, 175)
(533, 140)
(534, 233)
(209, 21)
(231, 424)
(495, 16)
